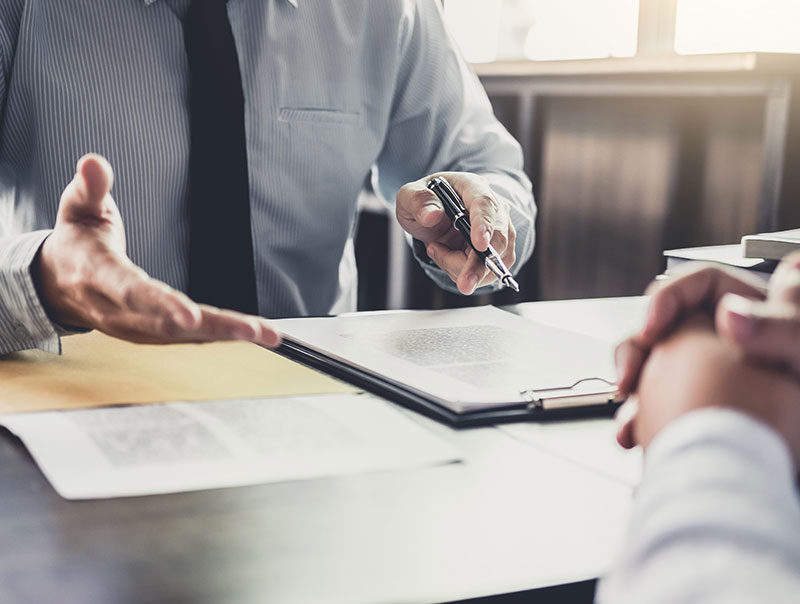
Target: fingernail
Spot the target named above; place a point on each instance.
(245, 331)
(430, 251)
(269, 336)
(741, 318)
(426, 211)
(181, 320)
(472, 282)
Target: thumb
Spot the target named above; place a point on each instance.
(86, 194)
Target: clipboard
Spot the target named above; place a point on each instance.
(588, 396)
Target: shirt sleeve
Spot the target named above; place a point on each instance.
(23, 321)
(442, 120)
(716, 518)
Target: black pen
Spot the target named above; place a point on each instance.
(457, 212)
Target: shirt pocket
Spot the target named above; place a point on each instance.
(312, 115)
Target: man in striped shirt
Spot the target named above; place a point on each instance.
(334, 94)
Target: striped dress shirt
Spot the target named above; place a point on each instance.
(338, 93)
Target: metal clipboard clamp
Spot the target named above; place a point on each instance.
(583, 393)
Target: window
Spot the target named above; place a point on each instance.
(541, 30)
(709, 26)
(488, 30)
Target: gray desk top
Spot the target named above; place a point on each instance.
(510, 517)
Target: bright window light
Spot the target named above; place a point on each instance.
(716, 26)
(543, 30)
(475, 24)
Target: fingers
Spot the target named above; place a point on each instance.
(699, 289)
(486, 216)
(218, 324)
(85, 195)
(86, 277)
(784, 286)
(132, 290)
(507, 255)
(767, 332)
(630, 357)
(454, 263)
(130, 304)
(421, 215)
(626, 422)
(466, 268)
(490, 224)
(214, 325)
(418, 211)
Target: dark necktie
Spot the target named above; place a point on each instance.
(221, 269)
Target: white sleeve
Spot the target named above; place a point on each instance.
(716, 518)
(23, 321)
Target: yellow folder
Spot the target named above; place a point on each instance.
(97, 370)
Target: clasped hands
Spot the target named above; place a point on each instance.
(85, 279)
(714, 337)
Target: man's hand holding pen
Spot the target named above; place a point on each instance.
(421, 214)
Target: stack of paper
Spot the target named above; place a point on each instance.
(272, 429)
(151, 449)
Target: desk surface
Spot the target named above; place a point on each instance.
(511, 517)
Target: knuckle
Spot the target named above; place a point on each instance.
(500, 240)
(103, 321)
(421, 197)
(83, 274)
(128, 296)
(405, 189)
(487, 203)
(169, 328)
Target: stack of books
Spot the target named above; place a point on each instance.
(727, 255)
(771, 246)
(759, 253)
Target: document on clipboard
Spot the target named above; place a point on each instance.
(468, 366)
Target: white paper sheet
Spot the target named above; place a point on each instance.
(587, 442)
(174, 447)
(467, 358)
(608, 319)
(590, 443)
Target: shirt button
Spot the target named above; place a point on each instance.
(20, 331)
